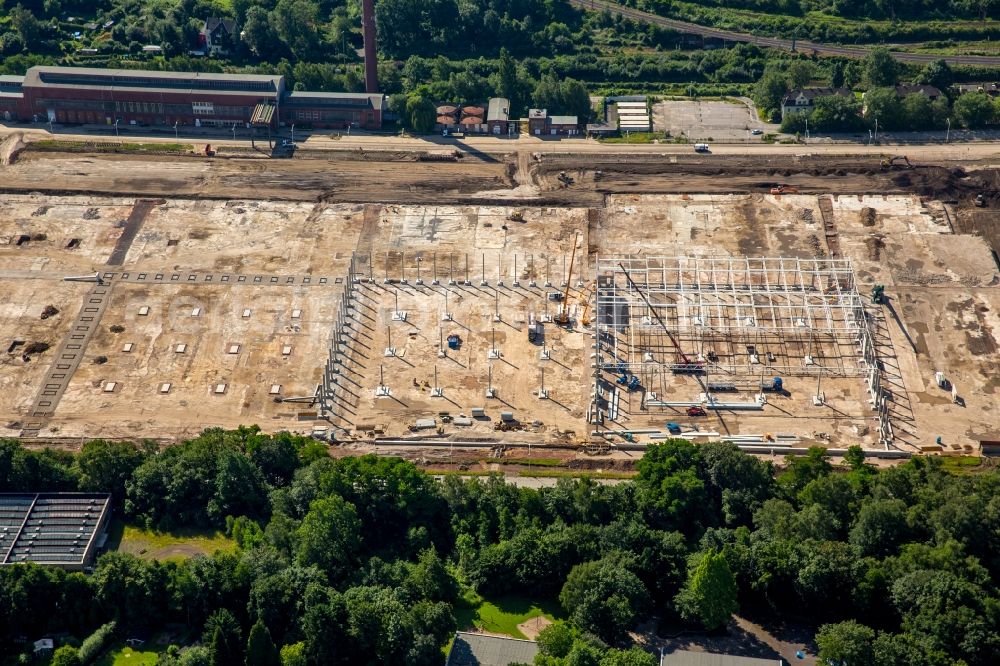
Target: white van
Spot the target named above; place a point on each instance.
(701, 148)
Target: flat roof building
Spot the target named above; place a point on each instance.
(58, 529)
(87, 95)
(688, 658)
(471, 649)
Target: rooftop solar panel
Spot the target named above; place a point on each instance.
(50, 528)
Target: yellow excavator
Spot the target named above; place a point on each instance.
(896, 162)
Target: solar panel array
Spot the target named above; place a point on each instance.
(50, 528)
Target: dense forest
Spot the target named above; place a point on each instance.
(451, 50)
(365, 560)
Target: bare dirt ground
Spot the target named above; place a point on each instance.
(282, 242)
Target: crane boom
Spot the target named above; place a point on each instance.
(563, 317)
(682, 357)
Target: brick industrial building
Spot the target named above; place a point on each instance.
(78, 95)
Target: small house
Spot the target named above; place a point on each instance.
(498, 116)
(803, 100)
(218, 36)
(563, 126)
(537, 121)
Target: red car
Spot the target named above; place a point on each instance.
(696, 411)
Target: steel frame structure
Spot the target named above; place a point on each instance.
(739, 318)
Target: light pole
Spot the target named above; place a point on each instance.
(947, 136)
(876, 129)
(116, 127)
(293, 134)
(234, 132)
(176, 137)
(807, 129)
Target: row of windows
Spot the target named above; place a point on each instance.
(327, 116)
(139, 107)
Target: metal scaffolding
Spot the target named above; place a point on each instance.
(732, 321)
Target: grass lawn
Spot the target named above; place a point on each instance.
(503, 614)
(125, 656)
(961, 464)
(178, 545)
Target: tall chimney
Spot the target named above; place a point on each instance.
(371, 61)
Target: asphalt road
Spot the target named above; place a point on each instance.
(493, 146)
(774, 42)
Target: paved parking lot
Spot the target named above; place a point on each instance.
(707, 121)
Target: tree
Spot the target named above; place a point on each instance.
(828, 572)
(24, 22)
(709, 596)
(634, 656)
(328, 536)
(260, 648)
(938, 74)
(66, 656)
(883, 104)
(422, 113)
(846, 644)
(296, 22)
(293, 655)
(973, 110)
(224, 637)
(604, 597)
(800, 73)
(107, 466)
(837, 75)
(803, 469)
(260, 35)
(507, 84)
(880, 68)
(556, 640)
(881, 527)
(672, 493)
(834, 113)
(769, 90)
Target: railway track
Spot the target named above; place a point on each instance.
(775, 42)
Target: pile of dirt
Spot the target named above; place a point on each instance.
(868, 216)
(875, 243)
(806, 215)
(816, 246)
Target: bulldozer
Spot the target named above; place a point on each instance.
(896, 162)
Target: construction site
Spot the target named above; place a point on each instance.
(534, 302)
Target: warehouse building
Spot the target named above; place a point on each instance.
(81, 95)
(337, 109)
(103, 96)
(11, 97)
(59, 529)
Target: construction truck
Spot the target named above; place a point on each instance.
(784, 189)
(980, 200)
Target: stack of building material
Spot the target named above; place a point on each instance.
(633, 117)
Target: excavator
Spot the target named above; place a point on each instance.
(896, 162)
(785, 189)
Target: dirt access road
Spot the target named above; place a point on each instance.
(803, 46)
(548, 179)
